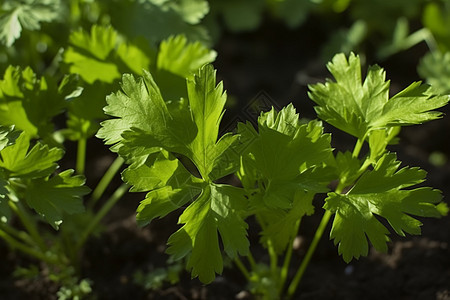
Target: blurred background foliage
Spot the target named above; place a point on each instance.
(36, 32)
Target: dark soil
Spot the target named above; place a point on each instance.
(280, 63)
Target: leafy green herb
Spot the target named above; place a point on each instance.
(30, 103)
(49, 195)
(27, 14)
(176, 156)
(98, 55)
(359, 108)
(101, 56)
(435, 68)
(380, 192)
(40, 161)
(53, 196)
(182, 58)
(285, 161)
(192, 132)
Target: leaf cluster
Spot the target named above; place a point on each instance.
(175, 154)
(27, 173)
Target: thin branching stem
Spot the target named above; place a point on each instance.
(18, 234)
(273, 257)
(29, 224)
(105, 181)
(358, 146)
(312, 248)
(242, 268)
(14, 243)
(121, 190)
(81, 155)
(287, 259)
(251, 260)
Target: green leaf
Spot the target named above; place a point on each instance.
(358, 108)
(207, 103)
(239, 15)
(436, 18)
(88, 106)
(282, 226)
(18, 161)
(88, 54)
(79, 127)
(192, 11)
(139, 106)
(8, 136)
(283, 149)
(27, 14)
(30, 103)
(170, 184)
(135, 55)
(381, 16)
(157, 20)
(156, 171)
(182, 58)
(380, 193)
(141, 111)
(379, 139)
(102, 56)
(420, 101)
(216, 210)
(52, 197)
(345, 40)
(155, 137)
(284, 161)
(435, 68)
(292, 12)
(348, 168)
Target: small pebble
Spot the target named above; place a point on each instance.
(349, 270)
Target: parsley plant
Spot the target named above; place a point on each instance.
(282, 164)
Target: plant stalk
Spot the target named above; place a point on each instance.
(317, 236)
(287, 259)
(81, 155)
(358, 146)
(18, 234)
(29, 224)
(242, 268)
(26, 248)
(121, 190)
(251, 260)
(273, 257)
(105, 181)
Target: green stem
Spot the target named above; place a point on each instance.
(242, 268)
(26, 248)
(251, 260)
(317, 236)
(273, 257)
(29, 224)
(18, 234)
(81, 155)
(272, 254)
(105, 181)
(287, 259)
(121, 190)
(358, 146)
